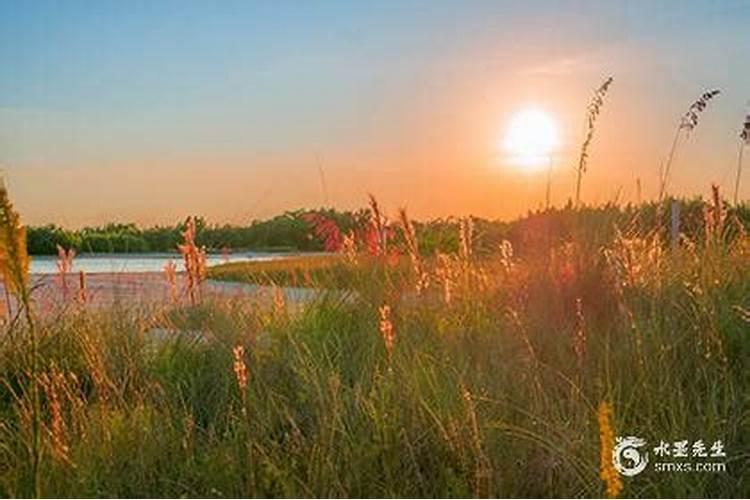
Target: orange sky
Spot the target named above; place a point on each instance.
(422, 131)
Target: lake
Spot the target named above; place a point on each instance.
(138, 263)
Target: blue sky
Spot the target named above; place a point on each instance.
(387, 95)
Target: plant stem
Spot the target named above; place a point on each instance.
(8, 307)
(549, 184)
(36, 456)
(739, 174)
(665, 174)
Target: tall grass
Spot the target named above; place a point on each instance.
(491, 389)
(687, 124)
(592, 113)
(744, 142)
(14, 267)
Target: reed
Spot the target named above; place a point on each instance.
(14, 266)
(744, 142)
(486, 384)
(592, 113)
(466, 238)
(54, 383)
(412, 249)
(170, 276)
(378, 233)
(64, 267)
(386, 330)
(607, 472)
(194, 258)
(687, 124)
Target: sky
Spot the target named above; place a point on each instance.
(147, 111)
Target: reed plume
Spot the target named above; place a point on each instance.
(592, 112)
(241, 376)
(579, 334)
(687, 124)
(744, 141)
(377, 236)
(194, 258)
(607, 471)
(54, 384)
(14, 259)
(412, 247)
(64, 266)
(239, 367)
(349, 247)
(386, 330)
(445, 274)
(505, 255)
(14, 266)
(170, 275)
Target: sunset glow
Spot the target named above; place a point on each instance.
(216, 107)
(531, 139)
(403, 249)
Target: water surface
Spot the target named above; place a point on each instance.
(138, 263)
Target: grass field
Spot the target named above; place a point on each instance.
(457, 375)
(329, 271)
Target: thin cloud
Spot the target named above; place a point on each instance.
(563, 66)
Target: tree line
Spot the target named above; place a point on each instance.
(291, 230)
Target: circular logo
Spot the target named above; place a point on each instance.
(626, 457)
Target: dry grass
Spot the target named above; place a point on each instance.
(302, 271)
(687, 124)
(592, 113)
(486, 383)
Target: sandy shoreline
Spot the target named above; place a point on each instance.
(137, 289)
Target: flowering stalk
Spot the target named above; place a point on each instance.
(687, 124)
(239, 367)
(170, 275)
(64, 266)
(386, 330)
(412, 247)
(14, 266)
(194, 258)
(607, 471)
(744, 141)
(377, 237)
(592, 112)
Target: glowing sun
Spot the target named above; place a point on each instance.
(531, 138)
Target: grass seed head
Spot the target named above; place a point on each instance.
(14, 258)
(689, 120)
(607, 471)
(239, 367)
(592, 113)
(386, 329)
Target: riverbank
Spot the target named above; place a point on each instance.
(139, 289)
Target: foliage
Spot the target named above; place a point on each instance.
(293, 230)
(489, 383)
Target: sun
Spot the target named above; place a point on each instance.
(531, 138)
